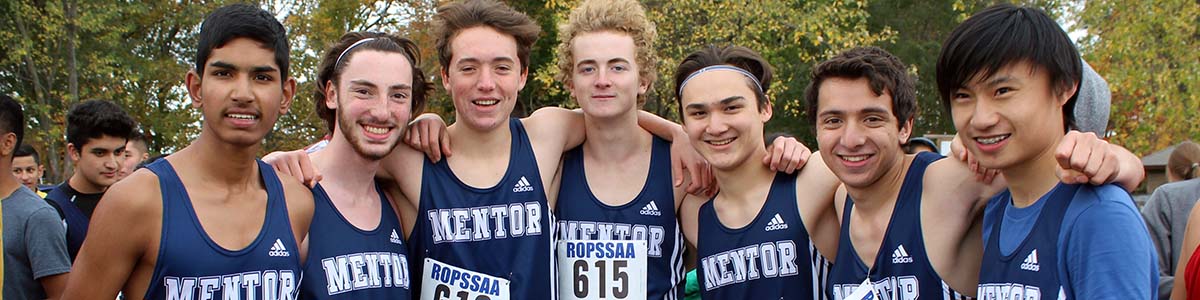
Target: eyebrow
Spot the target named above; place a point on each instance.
(613, 60)
(255, 69)
(476, 60)
(868, 110)
(999, 80)
(725, 101)
(400, 86)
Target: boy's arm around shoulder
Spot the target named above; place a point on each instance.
(124, 228)
(300, 209)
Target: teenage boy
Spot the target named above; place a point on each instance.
(1009, 75)
(28, 168)
(210, 221)
(96, 134)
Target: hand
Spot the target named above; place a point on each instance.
(686, 161)
(427, 133)
(786, 154)
(1085, 158)
(296, 164)
(959, 151)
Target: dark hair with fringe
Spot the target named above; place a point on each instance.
(884, 71)
(242, 20)
(736, 56)
(1000, 36)
(95, 119)
(12, 117)
(461, 15)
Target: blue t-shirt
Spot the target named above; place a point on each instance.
(1099, 243)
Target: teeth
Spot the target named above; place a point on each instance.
(721, 142)
(991, 140)
(241, 116)
(376, 130)
(487, 102)
(856, 158)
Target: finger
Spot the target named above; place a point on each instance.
(1096, 161)
(777, 157)
(1081, 155)
(696, 175)
(310, 172)
(426, 141)
(445, 137)
(800, 156)
(413, 137)
(677, 173)
(1065, 150)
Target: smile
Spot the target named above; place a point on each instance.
(992, 140)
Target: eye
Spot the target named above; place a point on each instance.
(587, 69)
(620, 68)
(222, 73)
(263, 77)
(503, 69)
(733, 108)
(1002, 91)
(466, 69)
(400, 96)
(697, 113)
(874, 121)
(362, 92)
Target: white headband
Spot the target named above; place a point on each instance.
(721, 67)
(355, 44)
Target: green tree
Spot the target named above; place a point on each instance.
(1147, 52)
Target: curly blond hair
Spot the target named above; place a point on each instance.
(623, 16)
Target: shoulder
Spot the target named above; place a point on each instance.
(298, 196)
(1105, 209)
(137, 197)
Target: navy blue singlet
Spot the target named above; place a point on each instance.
(502, 231)
(902, 269)
(345, 262)
(650, 217)
(771, 258)
(192, 266)
(1032, 270)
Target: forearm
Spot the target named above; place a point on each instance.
(660, 127)
(1132, 172)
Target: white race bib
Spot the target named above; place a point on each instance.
(602, 269)
(444, 281)
(864, 291)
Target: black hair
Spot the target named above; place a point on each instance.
(95, 119)
(1002, 35)
(884, 71)
(335, 61)
(27, 150)
(12, 118)
(736, 56)
(242, 20)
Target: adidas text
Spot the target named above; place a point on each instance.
(776, 224)
(277, 250)
(522, 186)
(651, 210)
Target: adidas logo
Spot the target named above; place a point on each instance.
(1031, 263)
(395, 238)
(900, 256)
(651, 210)
(278, 250)
(776, 224)
(522, 186)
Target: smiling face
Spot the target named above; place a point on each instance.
(859, 136)
(483, 77)
(241, 93)
(373, 101)
(1011, 117)
(722, 119)
(605, 80)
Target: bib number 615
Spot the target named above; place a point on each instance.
(606, 270)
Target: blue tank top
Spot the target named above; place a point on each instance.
(192, 266)
(771, 258)
(902, 269)
(345, 262)
(1032, 270)
(650, 217)
(73, 217)
(504, 231)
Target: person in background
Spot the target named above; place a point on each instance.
(27, 166)
(1166, 212)
(136, 151)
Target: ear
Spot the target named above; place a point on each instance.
(192, 81)
(906, 131)
(1066, 94)
(331, 95)
(8, 145)
(73, 152)
(524, 76)
(643, 85)
(289, 94)
(767, 111)
(445, 80)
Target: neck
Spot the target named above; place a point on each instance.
(470, 142)
(615, 139)
(343, 168)
(220, 163)
(1030, 179)
(743, 179)
(882, 193)
(82, 185)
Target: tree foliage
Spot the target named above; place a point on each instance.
(1147, 52)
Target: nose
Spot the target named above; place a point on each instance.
(380, 109)
(984, 115)
(486, 82)
(242, 91)
(716, 125)
(602, 80)
(854, 136)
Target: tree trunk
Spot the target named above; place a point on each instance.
(72, 66)
(41, 96)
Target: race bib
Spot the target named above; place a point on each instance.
(446, 282)
(602, 269)
(864, 291)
